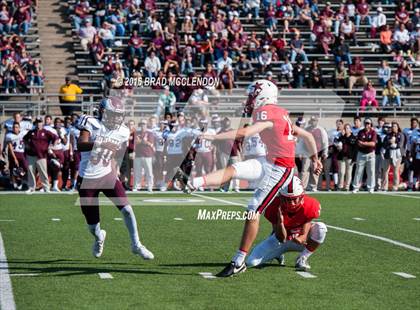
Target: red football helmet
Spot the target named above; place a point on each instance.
(291, 197)
(112, 112)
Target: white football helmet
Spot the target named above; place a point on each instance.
(112, 112)
(291, 196)
(260, 92)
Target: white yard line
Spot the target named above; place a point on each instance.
(118, 219)
(416, 218)
(24, 274)
(405, 275)
(207, 275)
(402, 195)
(397, 243)
(219, 200)
(55, 220)
(359, 219)
(7, 220)
(178, 219)
(105, 275)
(305, 274)
(7, 302)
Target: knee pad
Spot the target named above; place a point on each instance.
(127, 210)
(318, 232)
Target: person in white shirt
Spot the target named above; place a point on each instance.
(152, 65)
(401, 39)
(378, 21)
(86, 34)
(224, 61)
(16, 153)
(265, 59)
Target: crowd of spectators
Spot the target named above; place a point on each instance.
(19, 72)
(189, 37)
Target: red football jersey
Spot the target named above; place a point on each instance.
(293, 223)
(279, 139)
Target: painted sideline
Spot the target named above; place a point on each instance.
(7, 302)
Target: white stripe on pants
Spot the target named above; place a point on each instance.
(365, 161)
(40, 165)
(140, 164)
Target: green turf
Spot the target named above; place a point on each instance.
(353, 272)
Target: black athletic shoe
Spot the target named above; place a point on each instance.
(231, 270)
(182, 177)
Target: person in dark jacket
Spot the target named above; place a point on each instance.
(346, 145)
(394, 149)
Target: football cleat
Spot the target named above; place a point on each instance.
(282, 261)
(302, 264)
(143, 252)
(182, 178)
(98, 245)
(231, 269)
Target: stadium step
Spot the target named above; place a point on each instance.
(55, 44)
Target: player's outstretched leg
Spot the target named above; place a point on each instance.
(316, 237)
(131, 223)
(265, 251)
(91, 213)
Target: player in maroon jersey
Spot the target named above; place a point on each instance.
(291, 214)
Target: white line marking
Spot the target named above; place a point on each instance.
(207, 275)
(178, 219)
(416, 218)
(219, 200)
(118, 219)
(55, 220)
(359, 219)
(397, 243)
(306, 274)
(105, 275)
(7, 220)
(24, 274)
(7, 302)
(405, 275)
(401, 195)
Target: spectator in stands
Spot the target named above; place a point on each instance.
(152, 65)
(202, 28)
(415, 39)
(287, 15)
(97, 50)
(305, 16)
(5, 19)
(106, 34)
(348, 30)
(280, 47)
(386, 39)
(368, 97)
(7, 74)
(402, 16)
(394, 150)
(316, 76)
(224, 61)
(346, 157)
(86, 34)
(68, 99)
(166, 102)
(327, 14)
(207, 52)
(265, 59)
(404, 74)
(326, 41)
(118, 76)
(415, 19)
(37, 141)
(108, 69)
(366, 141)
(81, 11)
(226, 78)
(36, 75)
(340, 76)
(378, 22)
(21, 21)
(390, 95)
(172, 62)
(144, 150)
(286, 70)
(252, 8)
(298, 73)
(133, 18)
(362, 10)
(297, 49)
(401, 39)
(253, 45)
(135, 68)
(357, 125)
(270, 18)
(384, 73)
(187, 65)
(135, 45)
(357, 74)
(244, 68)
(341, 51)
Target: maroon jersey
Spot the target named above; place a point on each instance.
(367, 136)
(37, 142)
(293, 222)
(143, 149)
(131, 142)
(279, 139)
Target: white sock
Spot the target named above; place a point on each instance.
(74, 183)
(95, 230)
(306, 253)
(131, 223)
(198, 182)
(239, 258)
(335, 177)
(55, 183)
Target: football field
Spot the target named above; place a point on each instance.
(370, 259)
